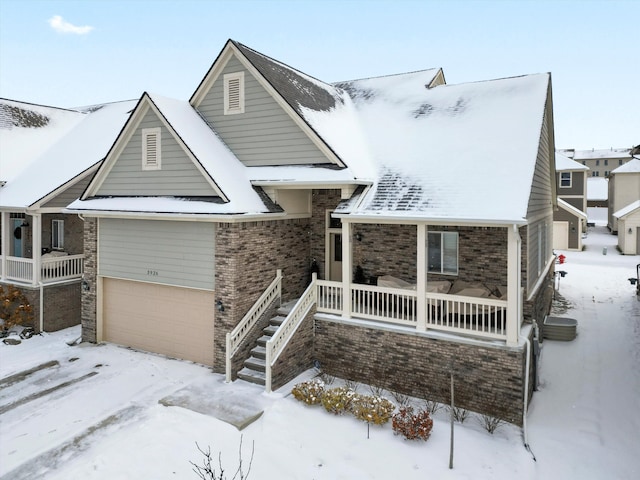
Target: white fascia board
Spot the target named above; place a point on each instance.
(286, 184)
(415, 220)
(190, 217)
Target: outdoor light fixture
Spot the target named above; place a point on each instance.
(219, 305)
(630, 231)
(359, 237)
(85, 285)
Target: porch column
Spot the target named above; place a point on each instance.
(421, 278)
(514, 275)
(346, 269)
(36, 246)
(4, 240)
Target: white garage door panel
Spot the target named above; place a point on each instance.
(173, 321)
(560, 235)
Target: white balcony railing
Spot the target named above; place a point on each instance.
(483, 317)
(51, 269)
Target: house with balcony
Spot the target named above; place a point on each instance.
(47, 156)
(570, 218)
(389, 230)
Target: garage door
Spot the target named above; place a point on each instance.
(560, 235)
(173, 321)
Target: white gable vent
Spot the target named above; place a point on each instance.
(151, 149)
(234, 93)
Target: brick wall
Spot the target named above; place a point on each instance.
(73, 232)
(488, 379)
(61, 305)
(247, 257)
(88, 301)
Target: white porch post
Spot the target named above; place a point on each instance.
(514, 275)
(4, 232)
(421, 278)
(36, 246)
(346, 269)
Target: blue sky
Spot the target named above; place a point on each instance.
(74, 53)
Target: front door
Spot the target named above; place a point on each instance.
(17, 237)
(334, 248)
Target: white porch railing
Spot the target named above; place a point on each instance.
(51, 270)
(285, 331)
(237, 335)
(483, 317)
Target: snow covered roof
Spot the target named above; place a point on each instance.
(632, 166)
(462, 152)
(597, 188)
(564, 163)
(632, 207)
(71, 151)
(603, 153)
(27, 130)
(570, 208)
(228, 175)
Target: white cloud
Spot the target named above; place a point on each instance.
(61, 26)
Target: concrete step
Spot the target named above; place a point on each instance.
(262, 341)
(277, 320)
(255, 363)
(270, 330)
(259, 352)
(252, 376)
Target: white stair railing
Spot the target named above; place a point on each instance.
(237, 335)
(285, 331)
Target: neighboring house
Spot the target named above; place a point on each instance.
(570, 218)
(624, 189)
(600, 162)
(424, 209)
(597, 192)
(47, 157)
(629, 228)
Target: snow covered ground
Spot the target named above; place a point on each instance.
(583, 423)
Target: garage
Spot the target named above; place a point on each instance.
(157, 290)
(173, 321)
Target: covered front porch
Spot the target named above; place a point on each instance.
(33, 254)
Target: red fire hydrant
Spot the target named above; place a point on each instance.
(561, 259)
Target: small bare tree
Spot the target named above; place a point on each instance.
(208, 472)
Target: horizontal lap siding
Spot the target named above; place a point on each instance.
(264, 134)
(69, 195)
(178, 176)
(170, 253)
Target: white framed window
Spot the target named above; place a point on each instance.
(565, 179)
(151, 151)
(234, 93)
(442, 253)
(57, 234)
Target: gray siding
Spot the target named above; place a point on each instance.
(170, 253)
(540, 200)
(264, 134)
(539, 249)
(178, 176)
(577, 185)
(574, 226)
(69, 195)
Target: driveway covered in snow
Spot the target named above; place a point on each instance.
(106, 412)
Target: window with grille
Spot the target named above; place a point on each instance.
(234, 93)
(565, 179)
(57, 234)
(151, 149)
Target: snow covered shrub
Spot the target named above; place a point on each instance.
(432, 406)
(338, 400)
(309, 392)
(327, 379)
(351, 385)
(402, 399)
(372, 409)
(413, 426)
(14, 308)
(490, 424)
(460, 414)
